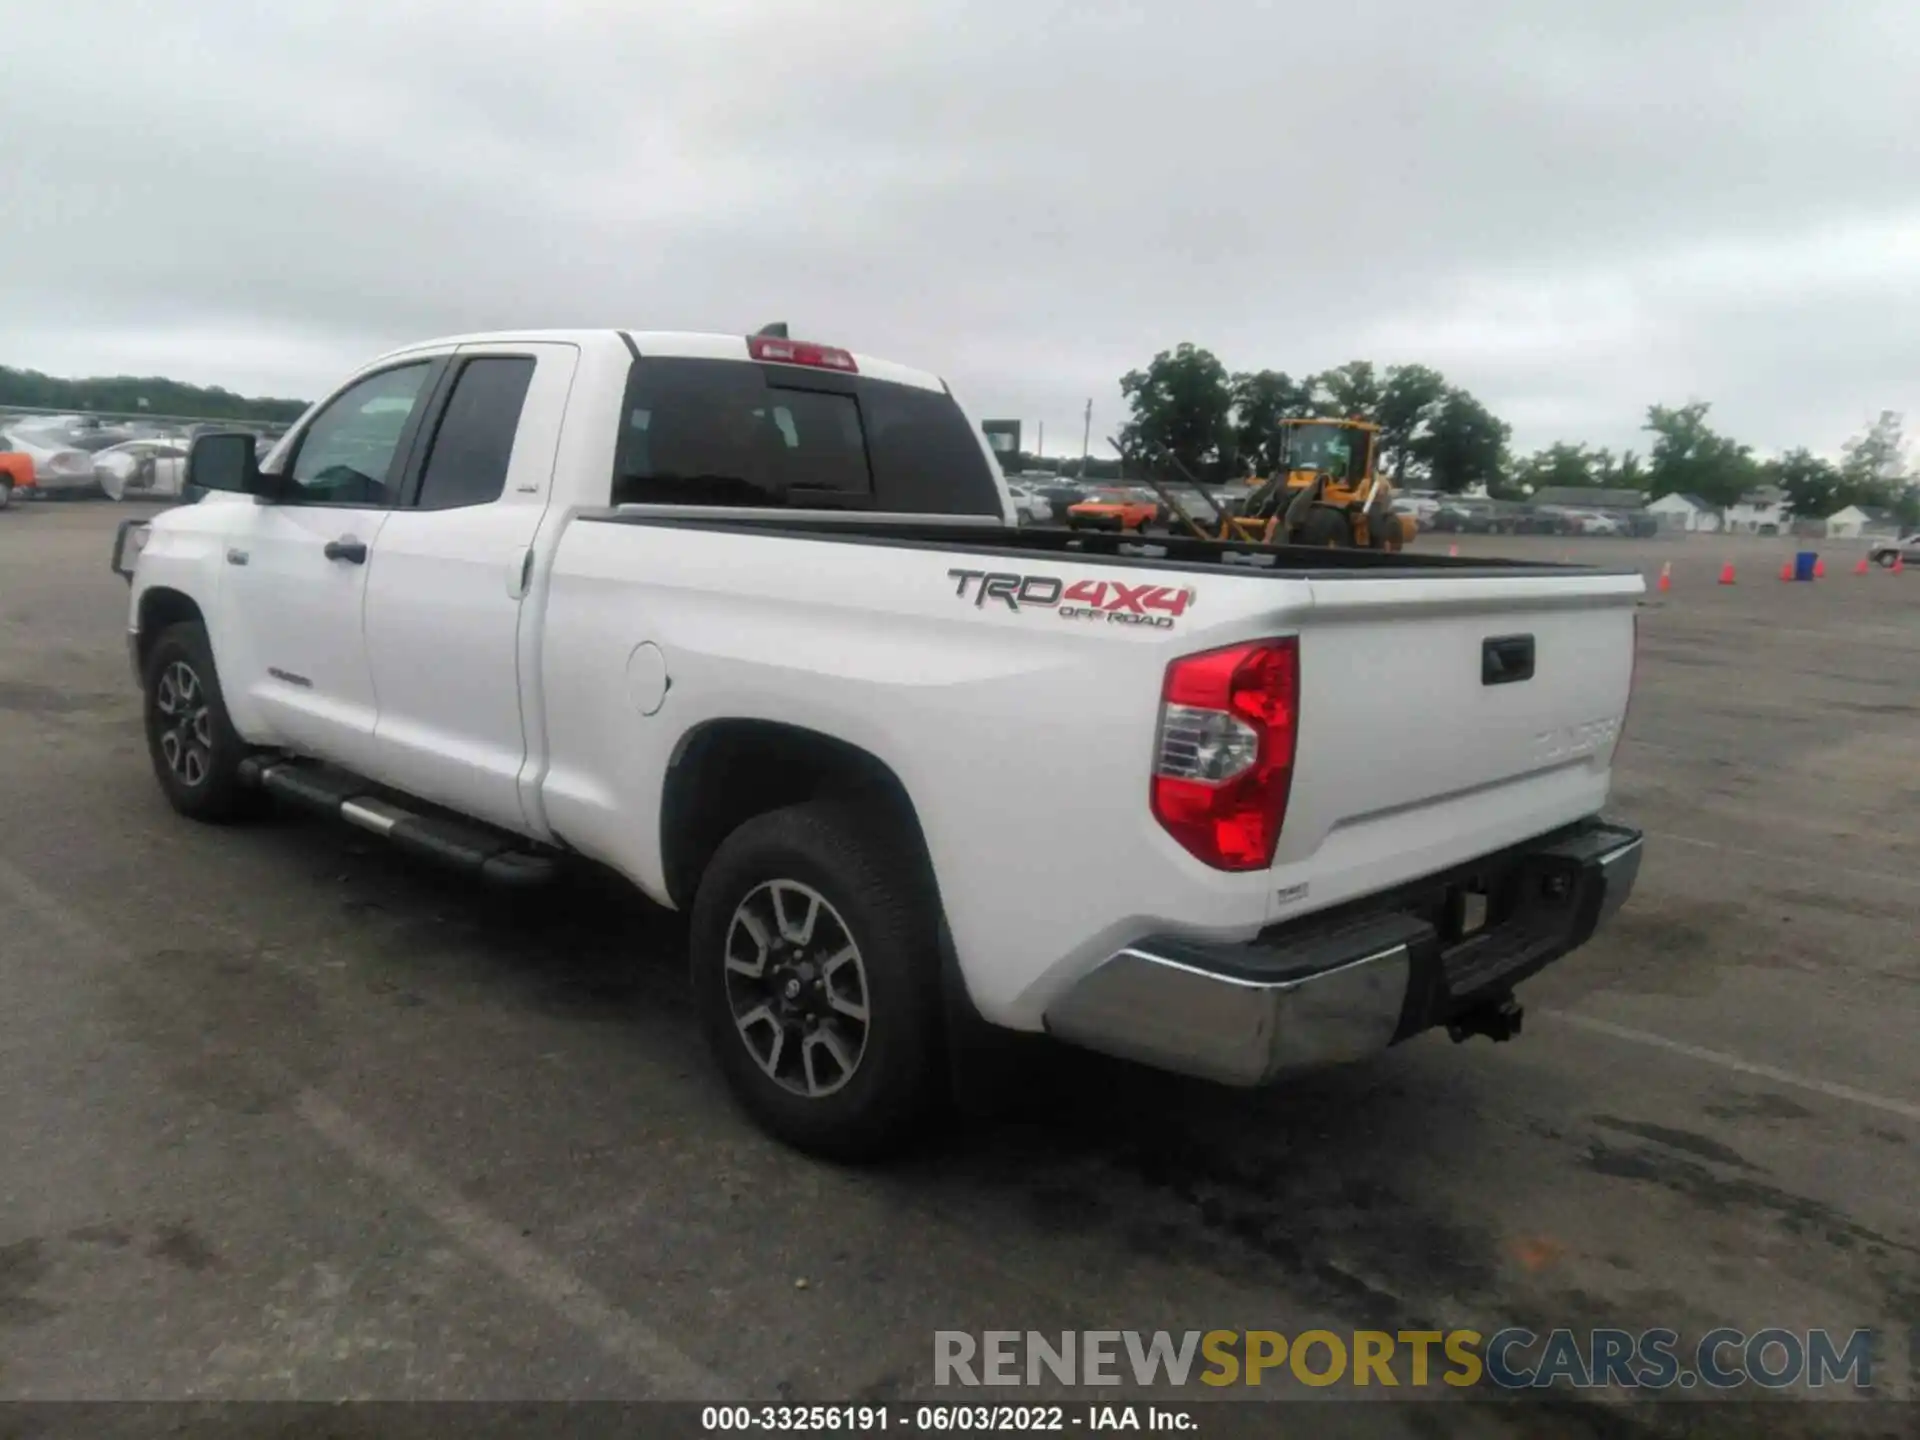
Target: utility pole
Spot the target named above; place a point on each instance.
(1040, 445)
(1086, 439)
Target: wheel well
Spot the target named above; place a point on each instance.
(159, 608)
(728, 771)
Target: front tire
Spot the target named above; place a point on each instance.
(816, 976)
(195, 750)
(6, 491)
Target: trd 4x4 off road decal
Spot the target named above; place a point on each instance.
(1114, 601)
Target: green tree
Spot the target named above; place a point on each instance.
(1876, 462)
(1184, 401)
(1565, 464)
(1688, 456)
(1814, 486)
(133, 395)
(1463, 444)
(1261, 400)
(1408, 401)
(1351, 390)
(1629, 474)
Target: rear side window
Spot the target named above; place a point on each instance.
(727, 432)
(715, 432)
(473, 444)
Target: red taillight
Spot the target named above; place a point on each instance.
(1223, 759)
(800, 352)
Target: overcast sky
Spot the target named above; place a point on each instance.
(1573, 209)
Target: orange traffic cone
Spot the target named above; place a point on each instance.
(1786, 571)
(1453, 549)
(1819, 568)
(1899, 561)
(1726, 573)
(1666, 577)
(1861, 568)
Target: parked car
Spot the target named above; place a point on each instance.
(532, 581)
(1906, 550)
(59, 472)
(1116, 508)
(137, 469)
(1471, 517)
(1203, 506)
(1541, 520)
(1061, 496)
(1592, 522)
(1421, 507)
(94, 437)
(1030, 507)
(71, 432)
(16, 476)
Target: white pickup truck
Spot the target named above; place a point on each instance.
(749, 621)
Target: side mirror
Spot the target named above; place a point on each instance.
(225, 461)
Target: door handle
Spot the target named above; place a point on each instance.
(1506, 659)
(520, 576)
(353, 551)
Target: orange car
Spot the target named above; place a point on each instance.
(1113, 510)
(16, 475)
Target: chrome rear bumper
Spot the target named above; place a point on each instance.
(1323, 992)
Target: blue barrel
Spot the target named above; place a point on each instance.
(1803, 563)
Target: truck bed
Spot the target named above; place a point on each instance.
(1163, 552)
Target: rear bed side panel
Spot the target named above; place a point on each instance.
(1023, 738)
(1409, 761)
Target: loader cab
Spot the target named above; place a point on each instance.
(1342, 450)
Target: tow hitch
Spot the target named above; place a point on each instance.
(1496, 1019)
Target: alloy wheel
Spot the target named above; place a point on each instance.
(797, 988)
(186, 723)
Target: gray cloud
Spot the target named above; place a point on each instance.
(1573, 210)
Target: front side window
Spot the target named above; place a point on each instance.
(349, 453)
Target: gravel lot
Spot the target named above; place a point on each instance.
(285, 1115)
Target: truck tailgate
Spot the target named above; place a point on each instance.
(1447, 716)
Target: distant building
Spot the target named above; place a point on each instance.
(1589, 497)
(1764, 511)
(1003, 436)
(1862, 521)
(1687, 513)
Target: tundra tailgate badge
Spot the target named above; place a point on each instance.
(1112, 601)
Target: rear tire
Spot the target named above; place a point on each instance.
(816, 975)
(6, 491)
(195, 750)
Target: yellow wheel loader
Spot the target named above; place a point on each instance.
(1327, 491)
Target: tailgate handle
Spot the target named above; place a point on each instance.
(1506, 659)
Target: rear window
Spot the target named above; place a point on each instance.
(728, 432)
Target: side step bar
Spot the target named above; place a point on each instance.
(494, 855)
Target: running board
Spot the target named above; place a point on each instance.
(494, 855)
